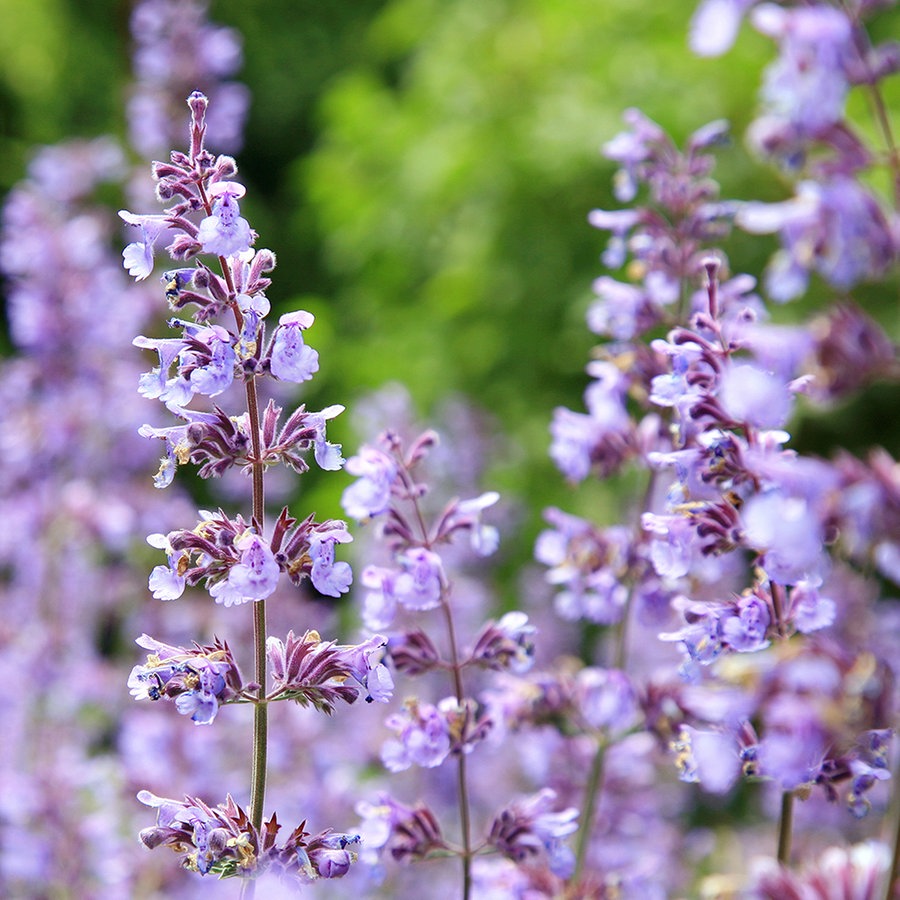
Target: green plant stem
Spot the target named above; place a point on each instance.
(261, 709)
(258, 770)
(461, 776)
(462, 783)
(592, 792)
(785, 828)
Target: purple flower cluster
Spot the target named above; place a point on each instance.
(222, 841)
(719, 657)
(417, 582)
(237, 565)
(199, 679)
(757, 563)
(835, 224)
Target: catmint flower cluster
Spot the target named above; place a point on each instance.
(402, 597)
(225, 842)
(236, 558)
(834, 225)
(753, 551)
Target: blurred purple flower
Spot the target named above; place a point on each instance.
(527, 831)
(370, 495)
(788, 535)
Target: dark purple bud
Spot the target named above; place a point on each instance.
(183, 247)
(413, 652)
(224, 168)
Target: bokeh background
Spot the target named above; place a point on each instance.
(423, 170)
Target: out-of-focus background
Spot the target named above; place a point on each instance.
(423, 170)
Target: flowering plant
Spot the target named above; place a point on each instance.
(232, 557)
(690, 692)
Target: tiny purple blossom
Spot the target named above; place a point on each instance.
(746, 630)
(484, 539)
(420, 583)
(328, 456)
(255, 577)
(423, 738)
(527, 829)
(291, 359)
(754, 397)
(370, 495)
(808, 609)
(380, 603)
(225, 232)
(710, 758)
(365, 662)
(329, 577)
(808, 84)
(165, 581)
(213, 372)
(672, 545)
(138, 256)
(715, 25)
(607, 699)
(787, 533)
(156, 384)
(396, 830)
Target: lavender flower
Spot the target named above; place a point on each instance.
(254, 577)
(291, 359)
(527, 829)
(222, 841)
(404, 832)
(199, 680)
(225, 232)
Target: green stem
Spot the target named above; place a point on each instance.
(592, 791)
(461, 777)
(258, 769)
(261, 709)
(785, 828)
(462, 784)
